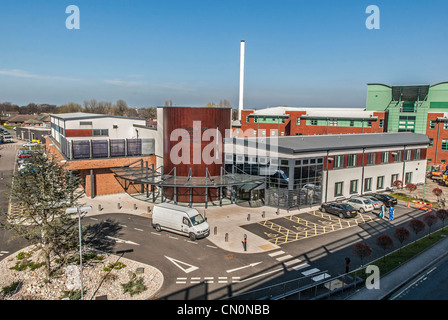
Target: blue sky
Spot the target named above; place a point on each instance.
(299, 53)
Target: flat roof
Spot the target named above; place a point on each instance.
(298, 144)
(85, 115)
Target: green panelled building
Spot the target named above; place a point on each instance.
(407, 106)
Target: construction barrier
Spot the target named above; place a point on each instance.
(423, 205)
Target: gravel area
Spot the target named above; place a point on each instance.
(96, 281)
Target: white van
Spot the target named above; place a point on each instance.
(183, 220)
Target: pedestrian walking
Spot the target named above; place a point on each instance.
(391, 213)
(347, 263)
(383, 211)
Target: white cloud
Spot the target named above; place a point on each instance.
(123, 83)
(25, 74)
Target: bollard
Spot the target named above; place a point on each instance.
(248, 217)
(245, 242)
(263, 214)
(226, 238)
(149, 209)
(135, 206)
(215, 231)
(99, 207)
(118, 206)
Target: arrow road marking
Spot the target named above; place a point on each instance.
(122, 241)
(179, 264)
(243, 267)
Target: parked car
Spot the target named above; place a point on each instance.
(376, 203)
(360, 204)
(343, 210)
(386, 199)
(30, 144)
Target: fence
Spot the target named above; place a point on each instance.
(106, 148)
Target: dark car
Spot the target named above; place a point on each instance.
(385, 198)
(342, 210)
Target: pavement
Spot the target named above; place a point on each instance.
(227, 233)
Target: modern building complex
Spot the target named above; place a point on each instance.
(413, 108)
(192, 158)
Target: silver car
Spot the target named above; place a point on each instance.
(360, 204)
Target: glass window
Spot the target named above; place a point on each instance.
(338, 189)
(368, 184)
(353, 186)
(338, 161)
(351, 160)
(432, 124)
(417, 154)
(385, 157)
(380, 182)
(371, 158)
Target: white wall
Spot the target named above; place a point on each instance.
(417, 167)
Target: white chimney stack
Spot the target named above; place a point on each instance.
(240, 104)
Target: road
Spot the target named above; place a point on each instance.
(431, 285)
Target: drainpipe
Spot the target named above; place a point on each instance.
(437, 141)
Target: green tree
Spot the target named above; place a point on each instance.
(42, 193)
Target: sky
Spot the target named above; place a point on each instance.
(298, 53)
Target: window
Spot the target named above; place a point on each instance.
(444, 144)
(385, 157)
(408, 178)
(432, 124)
(406, 124)
(380, 182)
(431, 142)
(371, 158)
(255, 132)
(353, 186)
(367, 184)
(332, 122)
(338, 189)
(393, 179)
(298, 121)
(407, 155)
(417, 154)
(314, 122)
(247, 119)
(381, 123)
(398, 155)
(338, 161)
(85, 123)
(100, 132)
(273, 132)
(369, 123)
(263, 133)
(352, 123)
(351, 160)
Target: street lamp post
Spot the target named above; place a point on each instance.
(79, 210)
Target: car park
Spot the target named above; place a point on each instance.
(386, 199)
(342, 210)
(360, 204)
(375, 202)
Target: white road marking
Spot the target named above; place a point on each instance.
(179, 264)
(243, 267)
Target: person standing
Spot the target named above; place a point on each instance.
(391, 213)
(383, 211)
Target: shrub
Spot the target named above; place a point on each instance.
(134, 286)
(117, 266)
